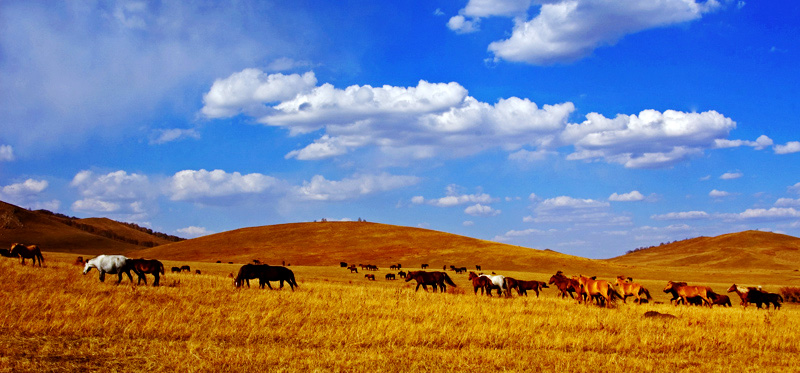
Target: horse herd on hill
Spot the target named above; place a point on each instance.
(584, 289)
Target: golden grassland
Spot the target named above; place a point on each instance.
(56, 319)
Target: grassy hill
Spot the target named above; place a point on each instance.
(329, 243)
(55, 232)
(735, 251)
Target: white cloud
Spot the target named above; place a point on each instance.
(565, 209)
(128, 195)
(787, 202)
(25, 188)
(650, 139)
(523, 155)
(626, 197)
(683, 215)
(566, 202)
(201, 184)
(761, 142)
(454, 197)
(731, 175)
(95, 205)
(461, 25)
(567, 30)
(794, 188)
(6, 153)
(481, 210)
(321, 189)
(163, 136)
(718, 193)
(519, 233)
(193, 231)
(790, 147)
(248, 90)
(771, 214)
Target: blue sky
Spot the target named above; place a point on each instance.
(589, 127)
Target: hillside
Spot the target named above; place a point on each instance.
(53, 232)
(329, 243)
(735, 251)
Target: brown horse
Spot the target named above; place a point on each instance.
(632, 289)
(27, 252)
(757, 296)
(599, 289)
(480, 282)
(430, 278)
(688, 291)
(523, 286)
(143, 266)
(564, 284)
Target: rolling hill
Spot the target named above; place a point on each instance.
(740, 251)
(329, 243)
(55, 232)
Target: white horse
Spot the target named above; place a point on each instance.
(113, 264)
(499, 283)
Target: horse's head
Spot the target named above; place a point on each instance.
(15, 248)
(670, 287)
(471, 275)
(410, 275)
(89, 265)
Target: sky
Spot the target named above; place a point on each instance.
(588, 127)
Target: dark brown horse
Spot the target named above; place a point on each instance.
(265, 273)
(523, 286)
(144, 266)
(757, 296)
(480, 282)
(564, 284)
(430, 278)
(27, 252)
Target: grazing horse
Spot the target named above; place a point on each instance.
(265, 273)
(479, 282)
(353, 269)
(6, 253)
(632, 289)
(688, 291)
(424, 266)
(370, 277)
(113, 264)
(176, 269)
(523, 286)
(186, 268)
(143, 266)
(430, 278)
(27, 252)
(594, 288)
(391, 276)
(564, 284)
(401, 274)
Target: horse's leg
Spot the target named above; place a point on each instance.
(156, 281)
(417, 289)
(102, 276)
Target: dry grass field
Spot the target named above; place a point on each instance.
(56, 319)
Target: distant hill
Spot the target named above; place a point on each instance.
(734, 251)
(56, 232)
(328, 243)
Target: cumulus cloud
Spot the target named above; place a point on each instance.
(771, 214)
(163, 136)
(322, 189)
(565, 209)
(718, 193)
(787, 202)
(790, 147)
(25, 188)
(567, 30)
(455, 196)
(731, 175)
(118, 192)
(519, 233)
(626, 197)
(6, 153)
(683, 215)
(761, 142)
(193, 231)
(481, 210)
(248, 90)
(647, 140)
(203, 185)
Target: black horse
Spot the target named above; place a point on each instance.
(144, 266)
(265, 273)
(430, 278)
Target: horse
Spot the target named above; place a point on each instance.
(6, 253)
(144, 266)
(479, 282)
(564, 284)
(461, 269)
(401, 274)
(754, 295)
(176, 269)
(497, 282)
(27, 252)
(353, 269)
(343, 264)
(597, 287)
(113, 264)
(370, 277)
(688, 291)
(523, 286)
(391, 276)
(265, 273)
(79, 261)
(632, 289)
(430, 278)
(424, 266)
(186, 268)
(720, 300)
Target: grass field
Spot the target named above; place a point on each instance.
(56, 319)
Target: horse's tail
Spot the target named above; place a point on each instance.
(646, 293)
(161, 267)
(449, 281)
(614, 293)
(292, 280)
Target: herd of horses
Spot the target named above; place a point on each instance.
(584, 289)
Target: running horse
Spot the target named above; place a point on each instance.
(497, 282)
(143, 266)
(430, 278)
(632, 289)
(523, 286)
(599, 289)
(564, 284)
(27, 252)
(688, 291)
(757, 296)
